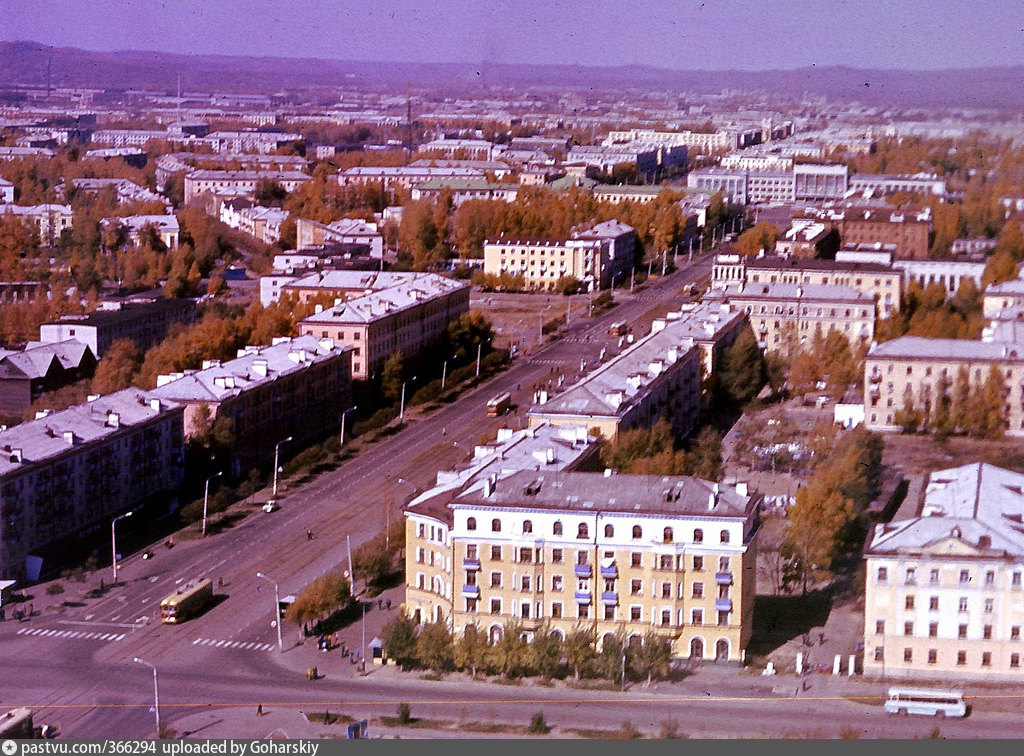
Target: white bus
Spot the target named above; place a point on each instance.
(927, 702)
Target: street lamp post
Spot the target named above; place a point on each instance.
(113, 541)
(156, 692)
(341, 438)
(277, 449)
(277, 610)
(206, 498)
(401, 406)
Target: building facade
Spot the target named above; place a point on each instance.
(409, 317)
(619, 555)
(66, 474)
(598, 257)
(944, 596)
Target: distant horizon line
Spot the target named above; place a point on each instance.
(484, 64)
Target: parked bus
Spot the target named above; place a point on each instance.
(927, 702)
(187, 601)
(499, 405)
(619, 328)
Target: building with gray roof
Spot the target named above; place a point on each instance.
(65, 474)
(296, 387)
(26, 374)
(943, 594)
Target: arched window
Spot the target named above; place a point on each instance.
(495, 525)
(609, 531)
(698, 536)
(668, 535)
(527, 526)
(556, 529)
(471, 523)
(582, 532)
(637, 532)
(724, 536)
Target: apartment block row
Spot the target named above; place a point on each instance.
(659, 376)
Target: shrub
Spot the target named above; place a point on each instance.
(538, 726)
(404, 713)
(54, 589)
(377, 420)
(429, 393)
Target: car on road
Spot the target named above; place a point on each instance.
(271, 506)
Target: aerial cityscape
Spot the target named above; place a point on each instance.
(511, 370)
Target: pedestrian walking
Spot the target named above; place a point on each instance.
(259, 710)
(388, 604)
(30, 610)
(379, 602)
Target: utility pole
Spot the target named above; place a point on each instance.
(479, 348)
(351, 570)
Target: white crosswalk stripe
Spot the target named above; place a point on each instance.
(233, 645)
(57, 634)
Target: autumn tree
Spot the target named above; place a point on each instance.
(392, 376)
(817, 520)
(654, 657)
(578, 649)
(511, 653)
(758, 240)
(546, 651)
(704, 460)
(118, 367)
(320, 598)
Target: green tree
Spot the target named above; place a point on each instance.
(579, 650)
(468, 332)
(268, 192)
(654, 657)
(434, 646)
(399, 637)
(471, 650)
(546, 652)
(704, 460)
(511, 653)
(960, 412)
(609, 660)
(742, 373)
(392, 376)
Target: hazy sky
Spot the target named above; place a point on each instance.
(682, 34)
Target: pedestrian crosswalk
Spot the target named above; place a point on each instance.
(238, 645)
(71, 634)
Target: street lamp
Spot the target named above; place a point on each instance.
(206, 498)
(401, 407)
(341, 438)
(156, 692)
(277, 611)
(277, 448)
(113, 541)
(444, 370)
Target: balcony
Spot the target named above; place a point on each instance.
(471, 564)
(609, 597)
(582, 570)
(582, 597)
(471, 591)
(876, 376)
(723, 605)
(609, 573)
(723, 578)
(874, 392)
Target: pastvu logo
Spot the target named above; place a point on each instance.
(9, 748)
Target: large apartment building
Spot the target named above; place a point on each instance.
(230, 184)
(883, 283)
(657, 377)
(810, 182)
(310, 234)
(296, 387)
(778, 312)
(620, 555)
(598, 257)
(64, 475)
(909, 231)
(409, 317)
(913, 372)
(944, 591)
(144, 322)
(51, 220)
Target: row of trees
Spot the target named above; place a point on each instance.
(653, 451)
(516, 653)
(957, 406)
